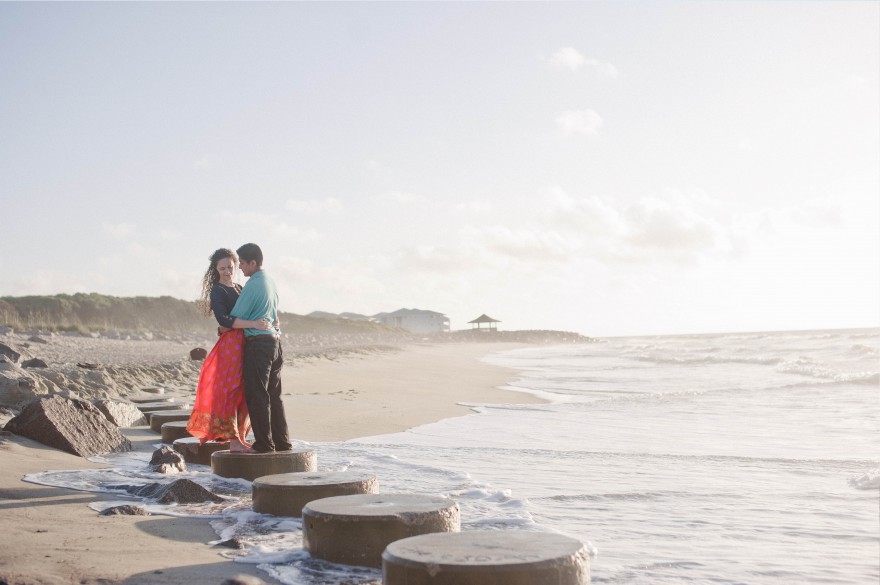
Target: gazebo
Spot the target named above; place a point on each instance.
(484, 318)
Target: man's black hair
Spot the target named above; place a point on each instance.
(249, 252)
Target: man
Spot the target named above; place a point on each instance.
(262, 354)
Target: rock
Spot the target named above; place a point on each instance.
(153, 389)
(198, 353)
(13, 355)
(125, 510)
(122, 414)
(74, 426)
(167, 460)
(88, 366)
(34, 363)
(17, 385)
(243, 580)
(181, 491)
(37, 339)
(6, 330)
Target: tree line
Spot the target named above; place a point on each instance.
(88, 312)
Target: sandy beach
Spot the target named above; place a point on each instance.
(51, 536)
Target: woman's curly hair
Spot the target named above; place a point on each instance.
(211, 278)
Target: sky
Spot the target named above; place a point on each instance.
(609, 168)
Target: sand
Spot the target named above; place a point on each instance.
(51, 536)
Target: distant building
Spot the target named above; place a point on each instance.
(349, 316)
(415, 320)
(484, 318)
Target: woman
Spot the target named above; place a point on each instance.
(220, 412)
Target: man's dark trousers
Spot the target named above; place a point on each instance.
(262, 392)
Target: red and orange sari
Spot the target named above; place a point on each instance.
(220, 412)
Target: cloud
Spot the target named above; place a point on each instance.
(571, 58)
(660, 226)
(168, 235)
(305, 285)
(430, 258)
(674, 226)
(593, 215)
(206, 162)
(326, 205)
(585, 122)
(266, 223)
(401, 198)
(528, 244)
(474, 207)
(568, 57)
(118, 230)
(813, 214)
(379, 170)
(49, 282)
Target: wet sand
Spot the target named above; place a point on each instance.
(51, 536)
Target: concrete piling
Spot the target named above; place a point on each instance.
(158, 418)
(250, 466)
(285, 494)
(486, 557)
(354, 530)
(171, 431)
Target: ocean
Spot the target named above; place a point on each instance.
(748, 458)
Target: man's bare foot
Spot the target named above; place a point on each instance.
(236, 446)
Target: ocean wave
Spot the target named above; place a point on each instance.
(623, 496)
(866, 481)
(865, 349)
(810, 368)
(709, 359)
(866, 334)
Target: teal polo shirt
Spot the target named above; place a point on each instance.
(258, 300)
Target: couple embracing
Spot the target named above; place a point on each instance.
(240, 381)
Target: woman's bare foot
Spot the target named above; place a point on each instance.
(236, 446)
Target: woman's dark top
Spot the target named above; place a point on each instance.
(222, 300)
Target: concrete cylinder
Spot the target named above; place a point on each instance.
(159, 418)
(250, 466)
(354, 530)
(150, 407)
(286, 494)
(486, 557)
(196, 453)
(171, 431)
(142, 400)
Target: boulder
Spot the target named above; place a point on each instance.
(71, 425)
(243, 580)
(13, 355)
(88, 365)
(34, 363)
(125, 510)
(122, 414)
(181, 491)
(198, 353)
(37, 339)
(17, 385)
(167, 460)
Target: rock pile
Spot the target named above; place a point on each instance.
(181, 491)
(167, 460)
(125, 510)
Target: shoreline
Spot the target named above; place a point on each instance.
(392, 392)
(53, 537)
